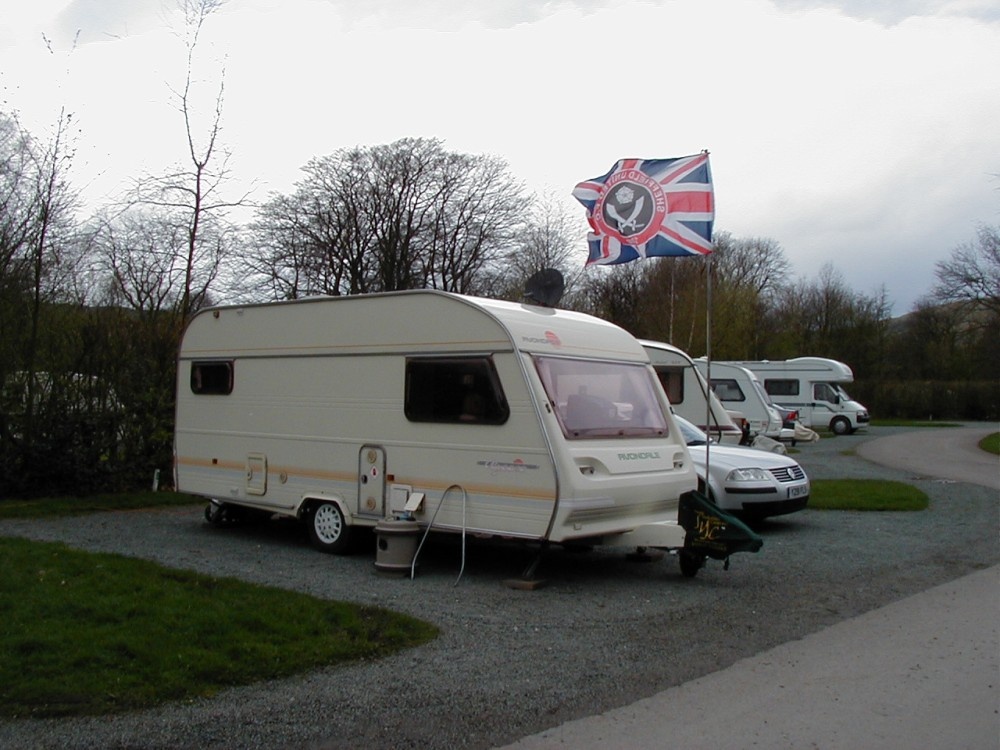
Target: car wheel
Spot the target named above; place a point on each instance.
(328, 531)
(840, 426)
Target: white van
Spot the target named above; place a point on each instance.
(688, 392)
(739, 389)
(813, 386)
(463, 414)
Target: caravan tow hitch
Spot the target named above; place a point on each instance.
(710, 532)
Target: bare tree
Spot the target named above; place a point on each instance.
(548, 236)
(399, 216)
(754, 264)
(193, 198)
(971, 276)
(477, 213)
(143, 255)
(16, 166)
(51, 204)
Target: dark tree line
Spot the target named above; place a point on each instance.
(92, 310)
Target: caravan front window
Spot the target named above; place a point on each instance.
(602, 399)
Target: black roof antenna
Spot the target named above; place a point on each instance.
(545, 288)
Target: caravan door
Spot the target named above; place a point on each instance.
(371, 481)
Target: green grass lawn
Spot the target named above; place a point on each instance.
(865, 494)
(991, 443)
(84, 633)
(48, 507)
(911, 423)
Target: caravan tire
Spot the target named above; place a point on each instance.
(328, 531)
(840, 426)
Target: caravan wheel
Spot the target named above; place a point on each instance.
(328, 530)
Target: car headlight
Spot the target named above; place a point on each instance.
(748, 475)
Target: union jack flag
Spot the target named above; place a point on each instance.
(649, 207)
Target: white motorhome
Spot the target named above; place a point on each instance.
(739, 389)
(814, 387)
(463, 414)
(688, 392)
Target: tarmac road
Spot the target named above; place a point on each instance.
(922, 672)
(945, 453)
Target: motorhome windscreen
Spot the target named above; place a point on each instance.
(454, 389)
(595, 399)
(841, 392)
(830, 392)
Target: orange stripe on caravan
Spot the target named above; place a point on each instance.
(340, 476)
(213, 463)
(208, 463)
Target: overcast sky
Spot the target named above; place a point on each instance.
(860, 133)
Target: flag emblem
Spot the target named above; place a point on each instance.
(649, 207)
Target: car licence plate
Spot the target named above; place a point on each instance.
(797, 491)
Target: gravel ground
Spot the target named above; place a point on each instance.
(603, 632)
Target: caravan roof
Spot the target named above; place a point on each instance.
(820, 368)
(406, 321)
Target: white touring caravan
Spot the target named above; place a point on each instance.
(461, 414)
(688, 392)
(740, 390)
(813, 387)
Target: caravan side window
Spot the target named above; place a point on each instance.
(727, 389)
(212, 378)
(464, 390)
(781, 387)
(672, 381)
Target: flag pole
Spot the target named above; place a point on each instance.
(708, 359)
(708, 368)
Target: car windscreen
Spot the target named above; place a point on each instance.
(599, 399)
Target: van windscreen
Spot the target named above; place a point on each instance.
(596, 399)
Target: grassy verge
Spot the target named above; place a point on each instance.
(47, 507)
(865, 494)
(911, 423)
(84, 633)
(991, 443)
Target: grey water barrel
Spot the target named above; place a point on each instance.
(396, 545)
